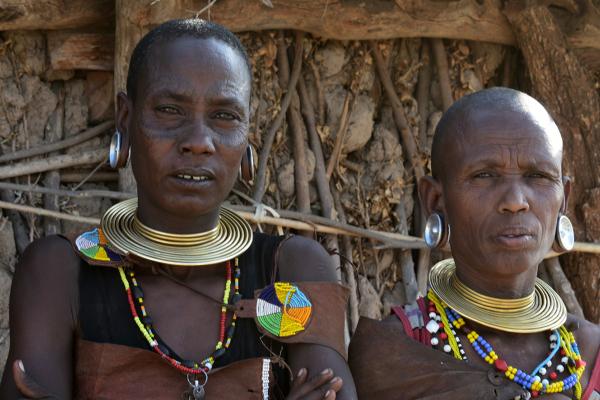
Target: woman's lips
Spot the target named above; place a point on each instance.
(515, 237)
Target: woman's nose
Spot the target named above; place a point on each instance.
(513, 197)
(198, 139)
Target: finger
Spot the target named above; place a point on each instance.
(300, 378)
(327, 391)
(336, 384)
(26, 385)
(315, 384)
(330, 395)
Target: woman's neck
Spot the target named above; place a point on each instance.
(504, 286)
(176, 223)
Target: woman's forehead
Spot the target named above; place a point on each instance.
(495, 137)
(187, 61)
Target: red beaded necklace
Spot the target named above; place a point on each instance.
(135, 296)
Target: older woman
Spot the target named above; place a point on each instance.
(498, 196)
(159, 301)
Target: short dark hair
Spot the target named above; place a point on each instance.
(174, 29)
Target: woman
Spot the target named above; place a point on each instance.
(498, 196)
(81, 325)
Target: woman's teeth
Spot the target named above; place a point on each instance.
(193, 177)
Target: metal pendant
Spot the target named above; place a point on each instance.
(196, 388)
(198, 392)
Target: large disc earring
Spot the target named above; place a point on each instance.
(437, 233)
(565, 235)
(246, 172)
(116, 159)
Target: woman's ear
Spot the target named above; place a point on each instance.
(566, 192)
(430, 195)
(123, 113)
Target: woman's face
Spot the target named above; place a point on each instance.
(188, 126)
(502, 191)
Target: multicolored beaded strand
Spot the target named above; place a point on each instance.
(134, 291)
(444, 321)
(560, 338)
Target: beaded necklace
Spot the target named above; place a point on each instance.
(135, 296)
(562, 341)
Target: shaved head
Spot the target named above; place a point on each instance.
(467, 116)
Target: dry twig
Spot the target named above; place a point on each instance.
(325, 196)
(63, 144)
(260, 184)
(340, 136)
(49, 164)
(295, 122)
(441, 59)
(563, 286)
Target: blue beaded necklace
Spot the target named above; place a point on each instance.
(561, 340)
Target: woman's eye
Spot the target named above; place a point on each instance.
(483, 174)
(224, 115)
(168, 110)
(537, 175)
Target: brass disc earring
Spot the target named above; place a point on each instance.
(246, 172)
(436, 233)
(565, 235)
(114, 149)
(116, 159)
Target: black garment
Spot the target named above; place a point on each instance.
(105, 317)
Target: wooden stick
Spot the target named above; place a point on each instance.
(508, 69)
(424, 257)
(406, 136)
(340, 136)
(295, 123)
(348, 269)
(47, 148)
(18, 225)
(50, 202)
(49, 164)
(260, 185)
(327, 204)
(48, 213)
(441, 59)
(423, 88)
(408, 140)
(320, 96)
(108, 194)
(52, 178)
(76, 177)
(324, 225)
(563, 286)
(316, 223)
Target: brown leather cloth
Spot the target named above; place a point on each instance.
(114, 372)
(387, 365)
(327, 319)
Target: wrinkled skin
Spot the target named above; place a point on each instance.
(500, 188)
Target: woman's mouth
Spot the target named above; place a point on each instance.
(515, 238)
(199, 178)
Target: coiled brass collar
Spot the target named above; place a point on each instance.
(124, 232)
(542, 310)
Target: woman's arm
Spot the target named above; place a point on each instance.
(43, 314)
(301, 260)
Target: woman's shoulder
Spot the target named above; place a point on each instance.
(52, 254)
(587, 335)
(48, 268)
(303, 259)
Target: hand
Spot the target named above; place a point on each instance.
(26, 385)
(323, 386)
